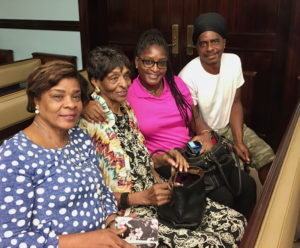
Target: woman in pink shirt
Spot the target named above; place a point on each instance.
(162, 102)
(164, 109)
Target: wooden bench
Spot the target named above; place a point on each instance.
(13, 98)
(13, 101)
(46, 57)
(275, 216)
(6, 56)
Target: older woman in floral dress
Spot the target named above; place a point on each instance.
(124, 160)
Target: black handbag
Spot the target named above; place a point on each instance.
(188, 201)
(217, 163)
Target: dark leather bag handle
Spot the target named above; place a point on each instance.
(174, 172)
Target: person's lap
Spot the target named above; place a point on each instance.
(260, 152)
(218, 220)
(245, 201)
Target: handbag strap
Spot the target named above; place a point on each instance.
(154, 172)
(174, 172)
(237, 159)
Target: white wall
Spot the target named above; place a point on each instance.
(24, 42)
(66, 10)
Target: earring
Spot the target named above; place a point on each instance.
(97, 90)
(37, 111)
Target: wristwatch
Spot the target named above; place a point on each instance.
(124, 200)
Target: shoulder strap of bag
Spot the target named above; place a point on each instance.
(154, 172)
(237, 159)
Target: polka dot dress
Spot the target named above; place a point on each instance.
(47, 192)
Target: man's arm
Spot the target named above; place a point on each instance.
(236, 124)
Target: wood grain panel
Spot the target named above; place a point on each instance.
(6, 56)
(46, 57)
(265, 34)
(258, 31)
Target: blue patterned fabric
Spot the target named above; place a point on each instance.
(47, 192)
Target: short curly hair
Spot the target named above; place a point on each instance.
(50, 74)
(103, 60)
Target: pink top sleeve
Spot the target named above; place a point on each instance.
(158, 117)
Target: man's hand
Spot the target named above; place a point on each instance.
(205, 139)
(243, 152)
(94, 112)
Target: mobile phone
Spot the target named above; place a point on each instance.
(141, 232)
(195, 146)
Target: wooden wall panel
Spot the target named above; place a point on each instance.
(258, 31)
(257, 16)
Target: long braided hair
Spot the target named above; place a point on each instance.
(154, 37)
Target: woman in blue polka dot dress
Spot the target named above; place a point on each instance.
(52, 192)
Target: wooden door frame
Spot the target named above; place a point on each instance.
(92, 32)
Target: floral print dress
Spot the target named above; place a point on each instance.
(221, 226)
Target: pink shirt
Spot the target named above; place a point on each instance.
(158, 117)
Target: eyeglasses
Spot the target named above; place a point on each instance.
(148, 63)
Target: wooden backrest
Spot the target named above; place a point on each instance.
(247, 95)
(46, 57)
(17, 72)
(6, 56)
(13, 101)
(275, 216)
(85, 75)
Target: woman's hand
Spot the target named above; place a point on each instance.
(112, 221)
(176, 160)
(94, 112)
(158, 194)
(95, 239)
(110, 238)
(205, 139)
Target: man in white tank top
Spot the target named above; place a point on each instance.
(215, 79)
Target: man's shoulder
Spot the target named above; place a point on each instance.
(190, 68)
(193, 62)
(230, 58)
(231, 64)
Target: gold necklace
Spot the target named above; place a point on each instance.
(66, 155)
(152, 92)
